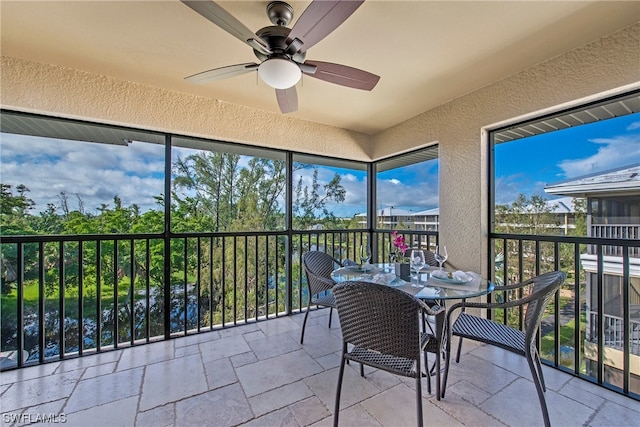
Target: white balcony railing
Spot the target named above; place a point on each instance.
(615, 332)
(617, 231)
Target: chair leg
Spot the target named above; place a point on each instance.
(330, 316)
(540, 375)
(419, 394)
(460, 342)
(438, 356)
(459, 350)
(426, 355)
(336, 410)
(426, 366)
(446, 364)
(304, 324)
(537, 380)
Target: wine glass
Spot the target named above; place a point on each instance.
(365, 254)
(391, 252)
(440, 255)
(417, 262)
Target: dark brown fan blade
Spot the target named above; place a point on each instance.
(287, 99)
(223, 19)
(222, 73)
(318, 21)
(343, 75)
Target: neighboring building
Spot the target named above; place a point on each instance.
(564, 212)
(390, 217)
(557, 217)
(402, 219)
(613, 211)
(426, 220)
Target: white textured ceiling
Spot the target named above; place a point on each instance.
(426, 52)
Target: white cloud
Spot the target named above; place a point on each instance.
(633, 126)
(613, 152)
(417, 195)
(94, 173)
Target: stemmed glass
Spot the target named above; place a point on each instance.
(391, 252)
(365, 254)
(392, 257)
(417, 262)
(440, 255)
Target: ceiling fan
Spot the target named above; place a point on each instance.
(282, 50)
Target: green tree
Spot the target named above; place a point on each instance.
(204, 191)
(580, 212)
(526, 216)
(14, 209)
(13, 221)
(49, 222)
(261, 186)
(212, 192)
(310, 203)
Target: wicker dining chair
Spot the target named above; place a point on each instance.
(523, 342)
(429, 257)
(382, 324)
(318, 267)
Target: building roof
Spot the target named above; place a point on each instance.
(391, 211)
(622, 181)
(561, 206)
(428, 212)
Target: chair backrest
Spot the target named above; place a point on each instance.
(544, 287)
(379, 317)
(318, 267)
(429, 257)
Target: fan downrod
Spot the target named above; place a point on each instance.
(280, 13)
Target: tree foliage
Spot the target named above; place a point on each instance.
(228, 277)
(526, 216)
(310, 204)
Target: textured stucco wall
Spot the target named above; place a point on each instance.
(48, 89)
(460, 127)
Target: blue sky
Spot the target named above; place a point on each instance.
(95, 173)
(526, 165)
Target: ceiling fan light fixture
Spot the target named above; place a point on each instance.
(279, 73)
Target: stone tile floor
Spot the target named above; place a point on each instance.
(259, 375)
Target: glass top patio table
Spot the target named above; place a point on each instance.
(434, 288)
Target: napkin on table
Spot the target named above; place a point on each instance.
(385, 278)
(457, 275)
(462, 276)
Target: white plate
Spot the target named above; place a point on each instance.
(359, 269)
(452, 280)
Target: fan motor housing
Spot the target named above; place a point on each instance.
(276, 37)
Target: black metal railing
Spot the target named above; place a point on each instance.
(77, 295)
(591, 328)
(84, 294)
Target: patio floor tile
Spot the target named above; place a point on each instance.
(258, 374)
(172, 380)
(266, 374)
(105, 389)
